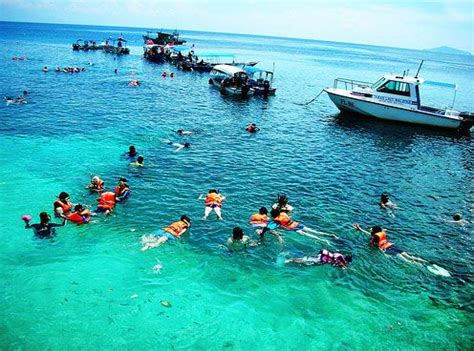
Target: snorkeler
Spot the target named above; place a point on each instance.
(239, 241)
(178, 146)
(171, 232)
(324, 257)
(183, 132)
(385, 201)
(44, 229)
(122, 190)
(260, 219)
(282, 204)
(378, 238)
(281, 219)
(80, 215)
(62, 206)
(252, 128)
(139, 162)
(96, 185)
(213, 202)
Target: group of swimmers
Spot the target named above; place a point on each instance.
(69, 69)
(20, 100)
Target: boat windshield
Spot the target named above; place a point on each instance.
(378, 83)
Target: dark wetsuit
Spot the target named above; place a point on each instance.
(44, 231)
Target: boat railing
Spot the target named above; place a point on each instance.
(349, 84)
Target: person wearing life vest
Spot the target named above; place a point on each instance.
(96, 185)
(252, 128)
(80, 215)
(378, 238)
(122, 191)
(260, 219)
(170, 232)
(281, 219)
(213, 202)
(107, 201)
(323, 257)
(62, 206)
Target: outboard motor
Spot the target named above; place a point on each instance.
(467, 123)
(245, 90)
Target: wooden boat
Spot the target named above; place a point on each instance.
(163, 38)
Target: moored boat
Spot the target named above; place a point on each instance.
(231, 80)
(163, 38)
(154, 53)
(260, 80)
(397, 98)
(85, 45)
(120, 49)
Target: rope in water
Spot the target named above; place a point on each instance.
(310, 101)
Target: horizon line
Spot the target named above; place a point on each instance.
(254, 35)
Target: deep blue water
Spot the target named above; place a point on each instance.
(77, 289)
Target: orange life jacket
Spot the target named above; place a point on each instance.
(79, 218)
(285, 221)
(258, 218)
(382, 242)
(119, 191)
(99, 184)
(107, 200)
(65, 206)
(177, 228)
(213, 199)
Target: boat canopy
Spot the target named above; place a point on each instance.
(229, 70)
(203, 54)
(253, 70)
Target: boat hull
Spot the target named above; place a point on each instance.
(389, 112)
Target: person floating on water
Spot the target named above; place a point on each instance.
(106, 202)
(96, 185)
(252, 128)
(178, 146)
(385, 201)
(80, 215)
(171, 232)
(281, 219)
(139, 162)
(282, 204)
(122, 190)
(213, 202)
(44, 229)
(134, 83)
(457, 218)
(239, 241)
(45, 69)
(323, 257)
(183, 132)
(132, 152)
(260, 219)
(62, 207)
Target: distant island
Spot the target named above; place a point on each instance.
(448, 50)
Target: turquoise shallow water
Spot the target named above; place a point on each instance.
(76, 291)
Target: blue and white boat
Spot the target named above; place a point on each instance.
(260, 80)
(397, 98)
(231, 80)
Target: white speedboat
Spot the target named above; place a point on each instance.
(231, 80)
(397, 98)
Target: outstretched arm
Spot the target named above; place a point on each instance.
(409, 258)
(359, 228)
(312, 236)
(321, 233)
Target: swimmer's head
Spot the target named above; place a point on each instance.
(384, 198)
(95, 179)
(348, 258)
(187, 145)
(263, 211)
(237, 233)
(180, 131)
(132, 150)
(122, 180)
(44, 217)
(213, 191)
(457, 216)
(375, 229)
(274, 213)
(282, 199)
(63, 196)
(78, 208)
(140, 159)
(186, 219)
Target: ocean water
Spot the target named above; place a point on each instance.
(91, 287)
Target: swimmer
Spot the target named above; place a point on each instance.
(80, 215)
(378, 238)
(132, 152)
(385, 201)
(281, 219)
(260, 219)
(172, 75)
(457, 218)
(139, 162)
(116, 71)
(45, 69)
(164, 74)
(44, 229)
(213, 202)
(183, 132)
(239, 241)
(62, 206)
(134, 83)
(122, 190)
(96, 185)
(178, 146)
(324, 257)
(171, 232)
(282, 204)
(252, 128)
(106, 202)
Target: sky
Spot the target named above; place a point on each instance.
(415, 24)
